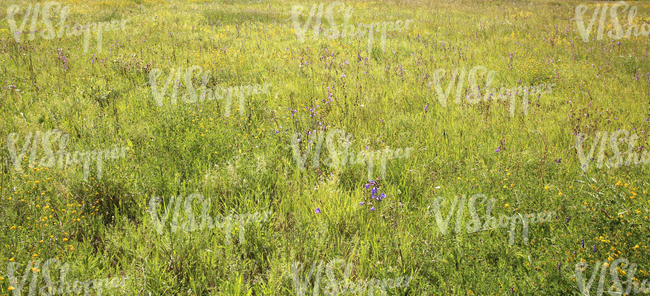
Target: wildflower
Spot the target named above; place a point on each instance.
(361, 203)
(583, 243)
(317, 210)
(372, 209)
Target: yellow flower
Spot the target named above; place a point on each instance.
(560, 194)
(507, 205)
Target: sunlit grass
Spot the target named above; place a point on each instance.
(245, 164)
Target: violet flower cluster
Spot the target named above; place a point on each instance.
(373, 192)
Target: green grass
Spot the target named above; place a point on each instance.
(102, 227)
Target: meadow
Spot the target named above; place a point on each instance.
(517, 151)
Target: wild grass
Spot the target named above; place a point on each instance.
(244, 163)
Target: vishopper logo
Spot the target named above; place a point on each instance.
(490, 222)
(48, 32)
(343, 287)
(190, 223)
(338, 158)
(50, 159)
(616, 25)
(614, 269)
(64, 288)
(617, 160)
(474, 93)
(347, 30)
(190, 96)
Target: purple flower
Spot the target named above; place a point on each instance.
(372, 209)
(361, 203)
(317, 210)
(583, 243)
(498, 149)
(425, 108)
(594, 248)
